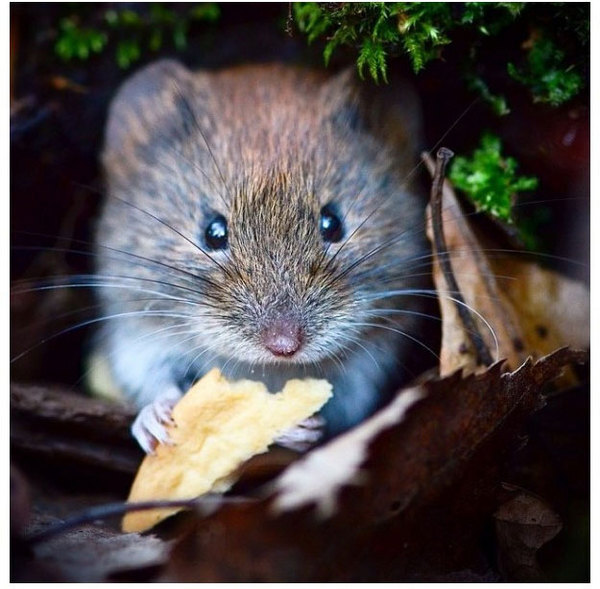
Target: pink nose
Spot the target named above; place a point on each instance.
(282, 337)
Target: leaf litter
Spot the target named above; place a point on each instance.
(410, 494)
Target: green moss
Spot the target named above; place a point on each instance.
(489, 179)
(380, 29)
(547, 73)
(131, 32)
(497, 102)
(78, 42)
(421, 30)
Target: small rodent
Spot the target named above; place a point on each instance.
(257, 220)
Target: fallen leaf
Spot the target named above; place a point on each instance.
(320, 477)
(523, 525)
(521, 309)
(406, 495)
(55, 426)
(93, 554)
(20, 501)
(553, 310)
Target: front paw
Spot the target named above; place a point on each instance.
(303, 436)
(149, 427)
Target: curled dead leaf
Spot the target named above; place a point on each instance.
(523, 525)
(417, 486)
(324, 472)
(94, 554)
(521, 309)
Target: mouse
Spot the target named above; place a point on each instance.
(259, 219)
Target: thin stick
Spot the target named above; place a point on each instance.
(442, 158)
(106, 510)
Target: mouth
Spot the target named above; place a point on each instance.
(286, 354)
(275, 371)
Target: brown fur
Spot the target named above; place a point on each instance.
(266, 147)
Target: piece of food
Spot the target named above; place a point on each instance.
(219, 425)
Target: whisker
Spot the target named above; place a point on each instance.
(386, 244)
(98, 320)
(203, 350)
(404, 183)
(128, 257)
(381, 312)
(191, 189)
(158, 219)
(176, 231)
(198, 127)
(136, 340)
(435, 294)
(357, 342)
(82, 311)
(101, 282)
(402, 333)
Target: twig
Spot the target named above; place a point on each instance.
(442, 158)
(107, 510)
(289, 29)
(56, 425)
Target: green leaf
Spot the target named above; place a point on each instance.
(373, 56)
(147, 26)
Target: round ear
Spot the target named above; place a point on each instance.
(339, 98)
(146, 104)
(389, 110)
(393, 112)
(340, 89)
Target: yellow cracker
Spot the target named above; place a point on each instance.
(219, 425)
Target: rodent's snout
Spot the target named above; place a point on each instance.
(282, 336)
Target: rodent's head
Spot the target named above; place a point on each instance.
(270, 199)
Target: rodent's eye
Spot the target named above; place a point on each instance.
(216, 233)
(330, 225)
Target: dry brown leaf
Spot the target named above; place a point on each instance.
(321, 476)
(554, 311)
(523, 525)
(57, 426)
(530, 311)
(93, 554)
(411, 492)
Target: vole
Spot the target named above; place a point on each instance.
(257, 220)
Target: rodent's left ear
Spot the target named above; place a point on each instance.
(389, 110)
(339, 94)
(392, 111)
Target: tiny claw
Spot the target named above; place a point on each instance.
(143, 437)
(315, 422)
(149, 427)
(163, 413)
(303, 436)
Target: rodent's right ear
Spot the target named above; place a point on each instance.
(144, 104)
